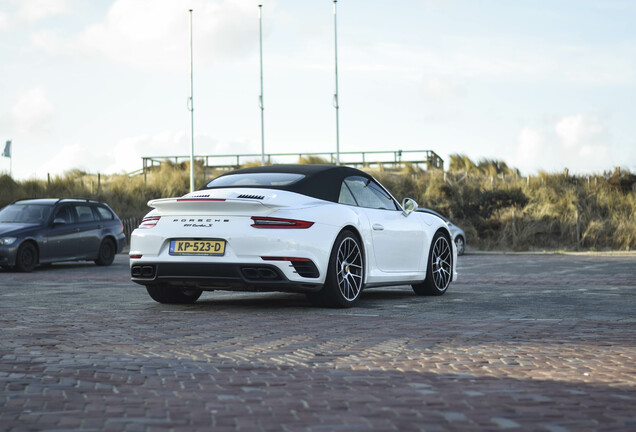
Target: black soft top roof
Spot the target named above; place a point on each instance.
(320, 181)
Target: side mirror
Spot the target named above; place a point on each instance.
(59, 221)
(408, 205)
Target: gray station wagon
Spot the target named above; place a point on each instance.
(42, 231)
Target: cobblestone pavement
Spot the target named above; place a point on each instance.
(521, 342)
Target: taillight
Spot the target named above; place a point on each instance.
(270, 222)
(149, 222)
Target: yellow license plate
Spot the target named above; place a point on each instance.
(197, 247)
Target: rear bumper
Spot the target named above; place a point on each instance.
(121, 241)
(217, 276)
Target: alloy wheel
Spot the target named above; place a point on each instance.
(349, 269)
(441, 258)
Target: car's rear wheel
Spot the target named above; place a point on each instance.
(460, 244)
(106, 253)
(173, 295)
(27, 258)
(439, 269)
(345, 274)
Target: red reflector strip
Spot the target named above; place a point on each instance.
(135, 256)
(271, 222)
(273, 258)
(200, 199)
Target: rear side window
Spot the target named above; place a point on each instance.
(84, 213)
(104, 213)
(256, 179)
(345, 196)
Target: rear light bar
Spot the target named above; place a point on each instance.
(271, 222)
(149, 222)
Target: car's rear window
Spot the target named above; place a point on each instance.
(256, 179)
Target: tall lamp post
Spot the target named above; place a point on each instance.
(191, 109)
(260, 99)
(335, 96)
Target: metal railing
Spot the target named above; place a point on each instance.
(393, 158)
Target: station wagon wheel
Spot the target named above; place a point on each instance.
(27, 258)
(106, 253)
(439, 268)
(345, 275)
(172, 294)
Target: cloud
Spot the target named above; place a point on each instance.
(4, 21)
(30, 12)
(74, 156)
(530, 144)
(580, 130)
(33, 112)
(36, 10)
(155, 33)
(581, 142)
(443, 88)
(128, 151)
(515, 60)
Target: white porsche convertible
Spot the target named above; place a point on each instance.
(327, 231)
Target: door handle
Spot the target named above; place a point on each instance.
(378, 227)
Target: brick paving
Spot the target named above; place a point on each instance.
(522, 342)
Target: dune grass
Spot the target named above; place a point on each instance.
(497, 207)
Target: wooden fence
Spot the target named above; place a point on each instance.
(130, 224)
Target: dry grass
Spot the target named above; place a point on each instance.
(496, 207)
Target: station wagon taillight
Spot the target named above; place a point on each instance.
(149, 222)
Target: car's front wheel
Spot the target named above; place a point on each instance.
(106, 253)
(27, 258)
(173, 295)
(345, 274)
(439, 269)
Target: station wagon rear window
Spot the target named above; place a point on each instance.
(256, 180)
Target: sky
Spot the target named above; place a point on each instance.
(96, 85)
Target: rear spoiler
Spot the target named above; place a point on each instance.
(200, 205)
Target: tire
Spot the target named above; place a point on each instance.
(439, 268)
(27, 258)
(173, 295)
(345, 274)
(106, 253)
(460, 244)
